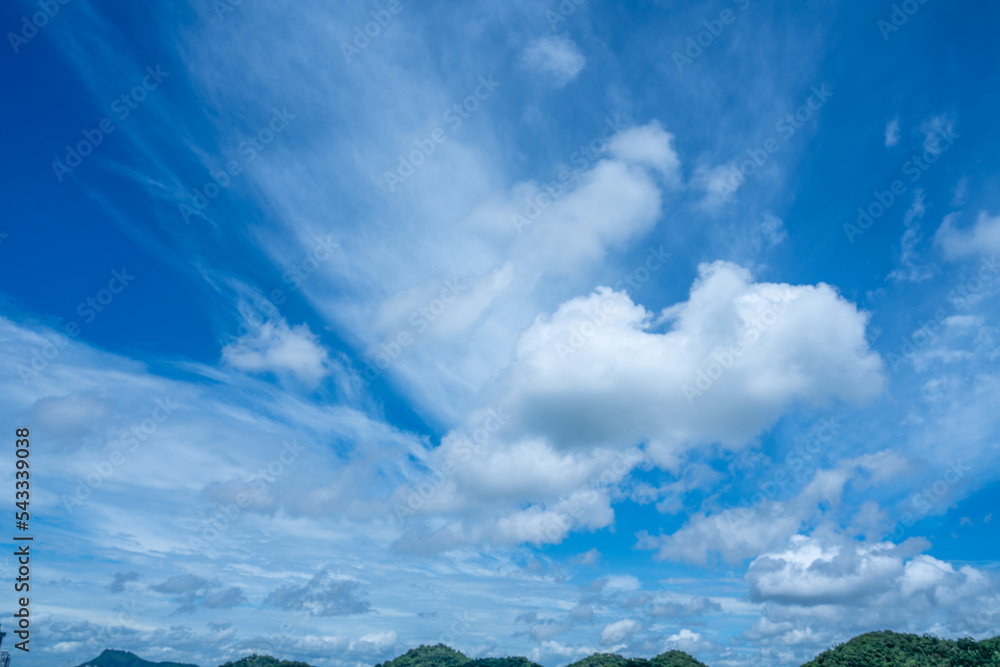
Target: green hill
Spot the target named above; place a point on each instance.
(668, 659)
(263, 661)
(675, 659)
(892, 649)
(111, 658)
(438, 655)
(502, 662)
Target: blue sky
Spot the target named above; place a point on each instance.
(533, 328)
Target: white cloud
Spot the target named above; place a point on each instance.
(770, 231)
(619, 631)
(686, 640)
(933, 128)
(892, 132)
(982, 238)
(908, 269)
(274, 347)
(596, 372)
(719, 183)
(556, 57)
(594, 376)
(651, 146)
(749, 531)
(852, 587)
(375, 643)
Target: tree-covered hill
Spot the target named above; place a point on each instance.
(668, 659)
(263, 661)
(892, 649)
(438, 655)
(502, 662)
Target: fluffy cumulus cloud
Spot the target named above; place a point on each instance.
(602, 375)
(275, 347)
(719, 367)
(555, 57)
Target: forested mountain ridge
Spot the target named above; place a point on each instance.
(874, 649)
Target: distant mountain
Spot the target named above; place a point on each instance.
(892, 649)
(111, 658)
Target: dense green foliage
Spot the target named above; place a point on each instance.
(111, 658)
(675, 659)
(263, 661)
(668, 659)
(896, 650)
(875, 649)
(502, 662)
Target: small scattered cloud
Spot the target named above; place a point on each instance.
(117, 584)
(908, 269)
(556, 57)
(324, 595)
(274, 347)
(982, 238)
(192, 591)
(934, 130)
(649, 145)
(769, 232)
(892, 132)
(619, 631)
